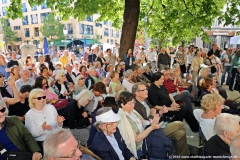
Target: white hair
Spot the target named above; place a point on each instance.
(91, 69)
(59, 73)
(226, 122)
(235, 146)
(83, 96)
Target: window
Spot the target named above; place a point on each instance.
(19, 39)
(44, 5)
(25, 20)
(111, 41)
(105, 31)
(115, 41)
(98, 25)
(86, 29)
(89, 18)
(27, 33)
(34, 8)
(111, 32)
(24, 7)
(4, 1)
(70, 28)
(36, 32)
(4, 11)
(105, 23)
(34, 19)
(215, 24)
(110, 23)
(107, 40)
(16, 27)
(42, 16)
(99, 36)
(117, 34)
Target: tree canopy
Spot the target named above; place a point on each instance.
(9, 35)
(52, 29)
(161, 19)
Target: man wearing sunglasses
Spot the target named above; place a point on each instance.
(15, 136)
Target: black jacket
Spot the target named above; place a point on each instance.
(215, 146)
(102, 147)
(73, 115)
(69, 78)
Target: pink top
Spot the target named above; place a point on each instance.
(50, 95)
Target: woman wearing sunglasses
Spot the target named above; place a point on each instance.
(15, 136)
(41, 82)
(42, 118)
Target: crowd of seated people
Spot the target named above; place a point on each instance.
(118, 104)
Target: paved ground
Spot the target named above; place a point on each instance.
(192, 138)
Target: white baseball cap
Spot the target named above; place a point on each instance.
(109, 116)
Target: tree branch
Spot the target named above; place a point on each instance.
(186, 7)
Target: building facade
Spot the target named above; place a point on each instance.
(27, 29)
(218, 34)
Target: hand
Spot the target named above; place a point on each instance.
(71, 88)
(22, 118)
(36, 156)
(60, 119)
(46, 127)
(84, 114)
(174, 107)
(133, 158)
(156, 126)
(11, 80)
(178, 92)
(155, 119)
(153, 111)
(163, 110)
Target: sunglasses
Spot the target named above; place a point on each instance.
(2, 76)
(39, 98)
(81, 78)
(2, 110)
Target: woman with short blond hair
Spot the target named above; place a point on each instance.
(212, 105)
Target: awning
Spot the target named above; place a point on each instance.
(235, 40)
(90, 41)
(59, 43)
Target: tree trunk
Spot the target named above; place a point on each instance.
(130, 24)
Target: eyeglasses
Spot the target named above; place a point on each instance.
(2, 76)
(142, 90)
(72, 155)
(39, 98)
(81, 78)
(132, 102)
(63, 75)
(2, 110)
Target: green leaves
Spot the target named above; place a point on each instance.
(52, 28)
(9, 35)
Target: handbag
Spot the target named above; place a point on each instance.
(60, 103)
(14, 155)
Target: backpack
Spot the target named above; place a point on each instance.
(158, 145)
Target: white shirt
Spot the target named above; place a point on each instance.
(115, 146)
(190, 58)
(227, 59)
(34, 120)
(20, 82)
(152, 56)
(127, 85)
(207, 125)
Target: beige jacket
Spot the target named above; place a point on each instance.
(196, 62)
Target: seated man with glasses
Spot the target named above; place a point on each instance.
(173, 130)
(15, 137)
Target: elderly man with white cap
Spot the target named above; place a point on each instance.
(112, 145)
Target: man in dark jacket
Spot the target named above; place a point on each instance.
(91, 78)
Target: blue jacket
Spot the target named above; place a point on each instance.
(127, 60)
(102, 147)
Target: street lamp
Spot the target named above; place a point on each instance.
(65, 32)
